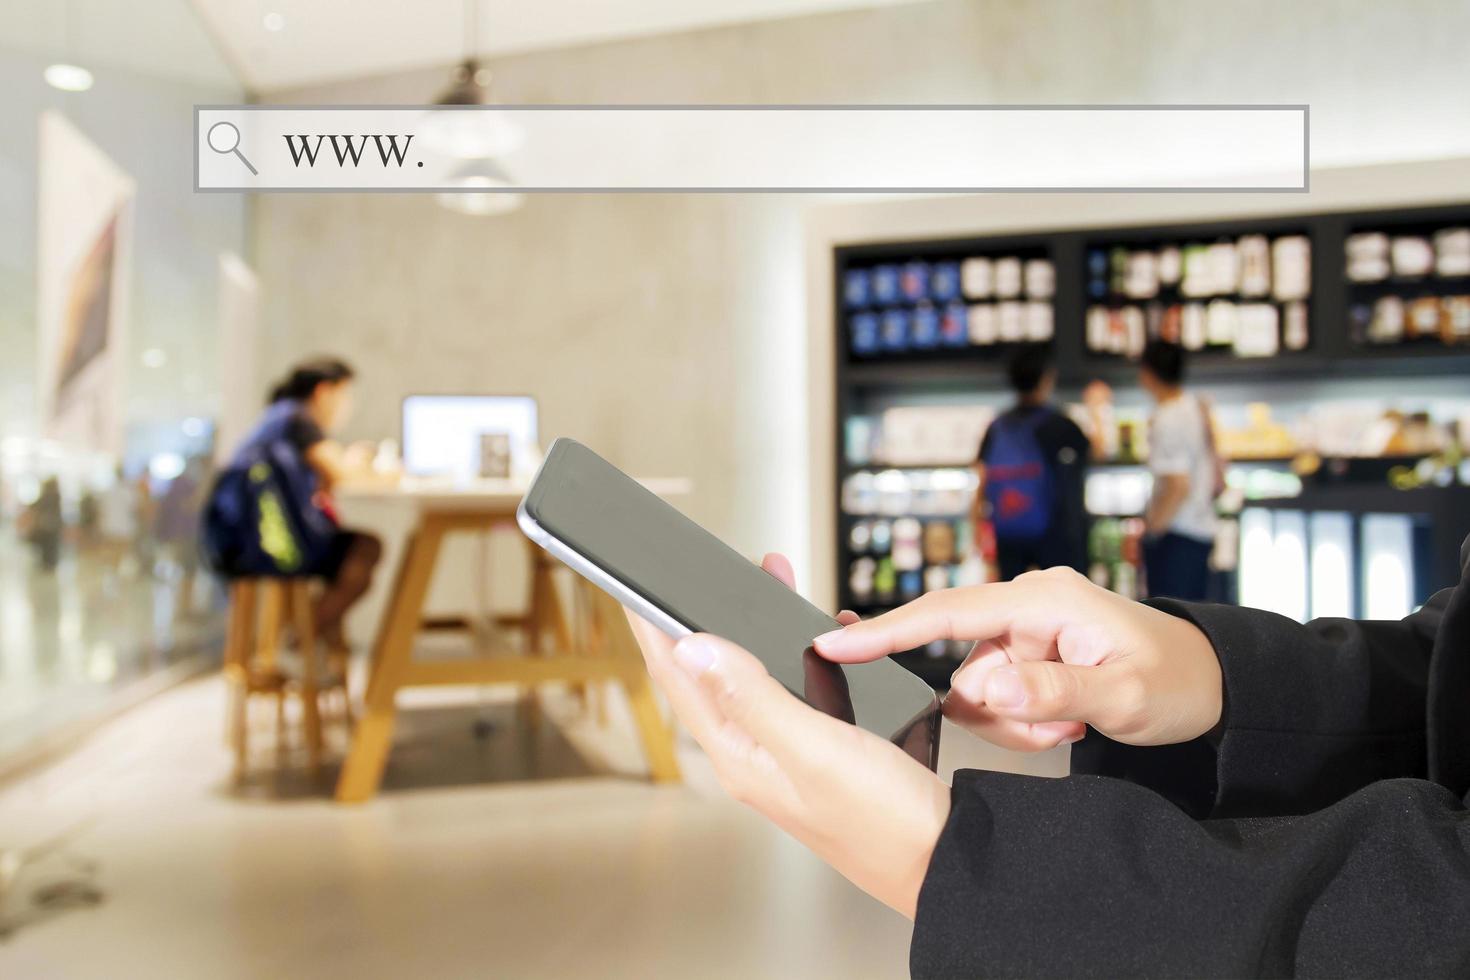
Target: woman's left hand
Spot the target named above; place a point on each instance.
(860, 802)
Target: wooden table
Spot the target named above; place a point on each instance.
(593, 644)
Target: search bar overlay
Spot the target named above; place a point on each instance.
(890, 149)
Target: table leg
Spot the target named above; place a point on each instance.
(363, 769)
(656, 734)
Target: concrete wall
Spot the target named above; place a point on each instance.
(671, 331)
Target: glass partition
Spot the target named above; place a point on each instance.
(110, 313)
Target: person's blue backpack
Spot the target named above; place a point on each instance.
(1019, 484)
(260, 518)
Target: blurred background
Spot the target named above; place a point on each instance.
(805, 374)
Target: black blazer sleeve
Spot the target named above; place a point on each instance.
(1093, 876)
(1314, 712)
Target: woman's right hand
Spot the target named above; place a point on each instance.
(1054, 652)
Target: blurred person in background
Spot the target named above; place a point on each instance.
(1032, 467)
(117, 521)
(144, 509)
(176, 527)
(43, 525)
(290, 460)
(1187, 477)
(87, 519)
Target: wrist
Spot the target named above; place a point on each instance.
(1203, 680)
(931, 819)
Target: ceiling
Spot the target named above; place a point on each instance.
(329, 40)
(157, 38)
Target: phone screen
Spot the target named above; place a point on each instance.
(652, 549)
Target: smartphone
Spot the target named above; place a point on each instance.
(646, 554)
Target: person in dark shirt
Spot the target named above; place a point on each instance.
(1009, 478)
(317, 398)
(1334, 839)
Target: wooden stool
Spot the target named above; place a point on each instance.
(260, 611)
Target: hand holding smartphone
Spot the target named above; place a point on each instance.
(675, 574)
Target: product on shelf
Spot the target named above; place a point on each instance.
(1228, 295)
(1041, 279)
(944, 281)
(984, 325)
(913, 280)
(1422, 317)
(1222, 323)
(1262, 437)
(1386, 326)
(1192, 326)
(910, 585)
(918, 434)
(860, 437)
(1131, 444)
(882, 538)
(885, 284)
(925, 327)
(1294, 333)
(1140, 276)
(922, 306)
(977, 278)
(1455, 322)
(1452, 252)
(885, 581)
(1291, 268)
(939, 543)
(863, 333)
(1171, 265)
(1117, 492)
(1011, 322)
(1405, 288)
(860, 494)
(908, 552)
(860, 580)
(1257, 330)
(894, 492)
(1367, 257)
(1411, 256)
(1393, 320)
(894, 330)
(1255, 265)
(1038, 326)
(1007, 277)
(1222, 259)
(1115, 555)
(954, 329)
(1097, 327)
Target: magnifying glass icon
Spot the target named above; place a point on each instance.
(224, 137)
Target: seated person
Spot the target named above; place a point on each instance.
(314, 400)
(1332, 840)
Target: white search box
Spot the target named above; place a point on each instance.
(891, 149)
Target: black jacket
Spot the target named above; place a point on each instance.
(1336, 839)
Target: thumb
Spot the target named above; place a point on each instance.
(1046, 690)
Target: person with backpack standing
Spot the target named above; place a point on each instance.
(1032, 466)
(1180, 520)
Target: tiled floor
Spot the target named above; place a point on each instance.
(511, 855)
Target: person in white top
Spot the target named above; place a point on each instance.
(1180, 520)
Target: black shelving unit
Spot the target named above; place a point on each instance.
(1330, 353)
